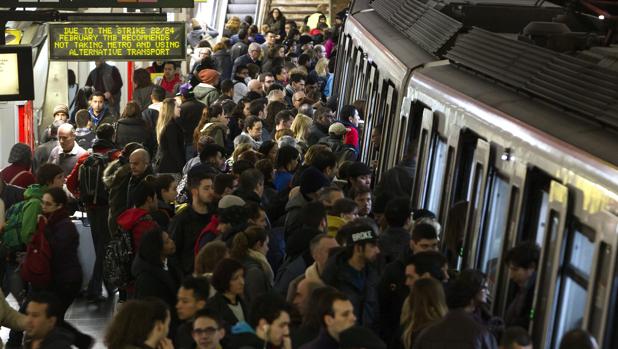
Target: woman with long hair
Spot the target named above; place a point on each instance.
(276, 21)
(249, 248)
(300, 127)
(139, 324)
(213, 124)
(171, 152)
(425, 305)
(167, 190)
(143, 88)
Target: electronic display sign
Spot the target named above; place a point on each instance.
(16, 73)
(98, 3)
(117, 41)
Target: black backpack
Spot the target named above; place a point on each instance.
(118, 257)
(92, 191)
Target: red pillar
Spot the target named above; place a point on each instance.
(130, 66)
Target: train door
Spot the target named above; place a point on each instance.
(544, 305)
(438, 170)
(422, 159)
(603, 318)
(343, 67)
(390, 123)
(370, 114)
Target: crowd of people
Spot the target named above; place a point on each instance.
(251, 222)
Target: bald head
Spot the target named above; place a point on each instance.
(276, 95)
(66, 137)
(297, 99)
(139, 161)
(255, 86)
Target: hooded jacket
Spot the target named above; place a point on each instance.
(119, 198)
(338, 273)
(293, 209)
(63, 241)
(135, 130)
(137, 221)
(258, 280)
(206, 93)
(32, 209)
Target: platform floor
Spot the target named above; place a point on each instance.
(88, 318)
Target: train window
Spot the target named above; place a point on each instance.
(535, 205)
(436, 175)
(495, 228)
(465, 157)
(541, 223)
(603, 281)
(574, 281)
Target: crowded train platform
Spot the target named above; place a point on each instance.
(238, 174)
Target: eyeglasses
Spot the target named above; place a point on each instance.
(208, 331)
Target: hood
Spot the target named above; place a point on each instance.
(299, 241)
(35, 191)
(101, 144)
(137, 121)
(129, 218)
(336, 261)
(334, 223)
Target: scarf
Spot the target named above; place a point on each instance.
(264, 263)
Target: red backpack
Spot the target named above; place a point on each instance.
(36, 268)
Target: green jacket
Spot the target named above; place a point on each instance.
(32, 210)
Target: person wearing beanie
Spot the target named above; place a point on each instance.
(18, 172)
(206, 91)
(352, 270)
(359, 177)
(336, 134)
(61, 112)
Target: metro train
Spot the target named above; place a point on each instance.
(513, 142)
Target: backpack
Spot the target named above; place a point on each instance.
(92, 191)
(118, 257)
(11, 240)
(36, 268)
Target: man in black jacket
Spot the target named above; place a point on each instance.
(393, 288)
(187, 225)
(192, 297)
(352, 270)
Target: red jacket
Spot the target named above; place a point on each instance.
(72, 179)
(134, 221)
(18, 175)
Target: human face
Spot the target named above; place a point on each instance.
(66, 138)
(48, 204)
(38, 325)
(281, 52)
(276, 14)
(343, 318)
(520, 275)
(363, 201)
(411, 275)
(424, 245)
(301, 296)
(256, 131)
(58, 181)
(61, 116)
(246, 111)
(187, 304)
(255, 54)
(268, 81)
(326, 119)
(354, 120)
(371, 252)
(262, 247)
(299, 86)
(363, 181)
(279, 329)
(482, 295)
(218, 161)
(138, 164)
(376, 138)
(261, 221)
(169, 247)
(206, 333)
(243, 73)
(283, 76)
(97, 103)
(237, 283)
(298, 99)
(168, 71)
(270, 38)
(169, 194)
(287, 28)
(323, 251)
(205, 191)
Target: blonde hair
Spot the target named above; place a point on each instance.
(241, 148)
(300, 126)
(233, 24)
(425, 305)
(166, 115)
(283, 132)
(321, 67)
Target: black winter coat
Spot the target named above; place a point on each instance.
(184, 228)
(219, 305)
(171, 153)
(224, 64)
(458, 329)
(392, 293)
(190, 115)
(63, 240)
(135, 130)
(365, 301)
